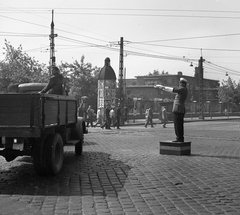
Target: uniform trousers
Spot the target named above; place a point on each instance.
(178, 126)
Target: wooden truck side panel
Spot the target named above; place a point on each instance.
(15, 110)
(59, 110)
(27, 115)
(19, 115)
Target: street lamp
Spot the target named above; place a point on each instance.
(135, 102)
(200, 67)
(220, 107)
(193, 107)
(209, 108)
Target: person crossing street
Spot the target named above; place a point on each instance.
(149, 117)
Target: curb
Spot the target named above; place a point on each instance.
(187, 120)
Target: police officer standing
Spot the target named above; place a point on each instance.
(178, 107)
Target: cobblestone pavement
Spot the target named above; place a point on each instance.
(121, 172)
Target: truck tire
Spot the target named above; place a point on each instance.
(77, 134)
(38, 156)
(79, 147)
(53, 154)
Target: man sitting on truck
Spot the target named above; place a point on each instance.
(55, 84)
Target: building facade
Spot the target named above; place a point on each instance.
(141, 90)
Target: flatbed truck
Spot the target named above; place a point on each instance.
(39, 125)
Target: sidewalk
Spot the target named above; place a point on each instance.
(186, 120)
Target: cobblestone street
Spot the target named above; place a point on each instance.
(122, 172)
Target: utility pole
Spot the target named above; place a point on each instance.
(120, 79)
(52, 44)
(200, 67)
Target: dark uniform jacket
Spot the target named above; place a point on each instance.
(55, 85)
(179, 101)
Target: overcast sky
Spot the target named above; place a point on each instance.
(158, 34)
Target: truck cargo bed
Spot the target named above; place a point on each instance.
(27, 115)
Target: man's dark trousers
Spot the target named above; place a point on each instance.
(178, 126)
(118, 121)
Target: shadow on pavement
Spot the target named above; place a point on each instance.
(93, 173)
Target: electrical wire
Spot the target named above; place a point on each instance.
(2, 33)
(186, 38)
(45, 10)
(19, 20)
(214, 66)
(194, 48)
(37, 49)
(129, 52)
(151, 51)
(221, 68)
(55, 28)
(130, 9)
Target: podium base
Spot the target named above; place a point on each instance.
(175, 148)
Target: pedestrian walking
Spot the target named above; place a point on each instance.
(99, 118)
(134, 114)
(164, 116)
(118, 116)
(80, 110)
(149, 116)
(125, 112)
(90, 115)
(112, 117)
(179, 109)
(107, 122)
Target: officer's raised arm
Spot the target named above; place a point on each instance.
(161, 87)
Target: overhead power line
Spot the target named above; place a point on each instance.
(129, 52)
(19, 20)
(212, 65)
(123, 9)
(123, 12)
(48, 27)
(194, 48)
(149, 15)
(161, 56)
(186, 38)
(15, 34)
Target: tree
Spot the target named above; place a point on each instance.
(229, 92)
(82, 80)
(155, 72)
(18, 67)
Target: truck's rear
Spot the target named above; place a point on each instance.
(39, 125)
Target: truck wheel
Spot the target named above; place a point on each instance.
(53, 154)
(79, 148)
(77, 134)
(38, 156)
